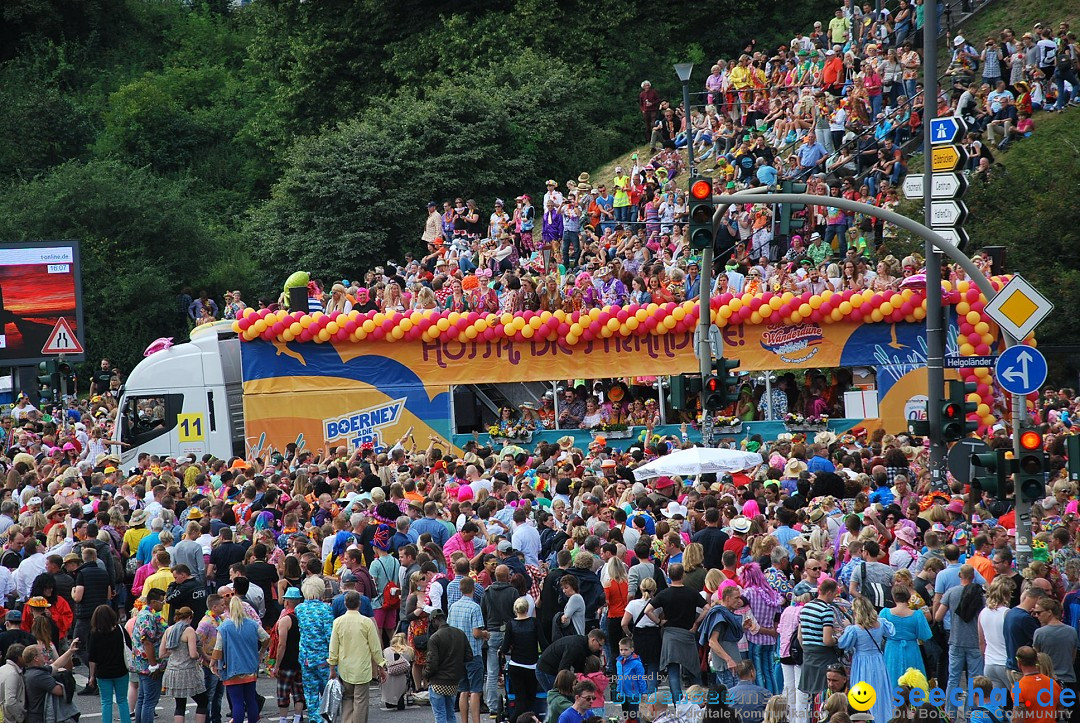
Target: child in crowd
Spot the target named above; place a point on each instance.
(630, 679)
(882, 494)
(594, 673)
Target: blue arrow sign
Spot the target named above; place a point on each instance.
(1020, 370)
(946, 130)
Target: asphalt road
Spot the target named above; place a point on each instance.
(90, 706)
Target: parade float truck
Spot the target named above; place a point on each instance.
(253, 386)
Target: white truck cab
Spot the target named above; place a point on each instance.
(185, 399)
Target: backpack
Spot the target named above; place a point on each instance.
(391, 594)
(795, 650)
(880, 596)
(365, 584)
(275, 639)
(971, 602)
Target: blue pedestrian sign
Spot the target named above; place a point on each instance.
(1021, 370)
(945, 130)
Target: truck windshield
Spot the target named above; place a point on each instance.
(147, 417)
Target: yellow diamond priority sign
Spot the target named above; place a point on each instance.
(1018, 308)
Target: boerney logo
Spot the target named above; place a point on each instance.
(793, 344)
(364, 425)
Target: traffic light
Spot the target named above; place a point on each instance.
(1031, 467)
(701, 213)
(998, 468)
(683, 389)
(66, 372)
(715, 394)
(48, 380)
(1072, 449)
(786, 209)
(954, 421)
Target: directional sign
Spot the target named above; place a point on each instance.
(948, 158)
(62, 340)
(1018, 308)
(958, 237)
(969, 362)
(947, 213)
(1021, 370)
(947, 129)
(945, 185)
(959, 458)
(716, 340)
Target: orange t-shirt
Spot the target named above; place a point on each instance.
(617, 593)
(1038, 697)
(983, 566)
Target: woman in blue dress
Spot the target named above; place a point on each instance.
(909, 627)
(866, 639)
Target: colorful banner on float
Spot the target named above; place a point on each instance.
(355, 394)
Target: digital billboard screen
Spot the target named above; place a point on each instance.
(40, 295)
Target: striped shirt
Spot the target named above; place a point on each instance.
(814, 617)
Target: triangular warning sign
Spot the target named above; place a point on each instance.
(62, 340)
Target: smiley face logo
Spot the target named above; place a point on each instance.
(862, 696)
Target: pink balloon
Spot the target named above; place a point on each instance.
(972, 294)
(983, 390)
(680, 327)
(489, 334)
(785, 310)
(633, 309)
(974, 339)
(342, 335)
(622, 315)
(857, 314)
(244, 323)
(815, 315)
(595, 326)
(650, 323)
(528, 315)
(603, 318)
(588, 335)
(305, 335)
(897, 316)
(350, 326)
(278, 327)
(725, 299)
(978, 306)
(982, 350)
(1034, 396)
(387, 326)
(378, 333)
(755, 303)
(906, 308)
(564, 329)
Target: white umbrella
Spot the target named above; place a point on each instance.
(698, 460)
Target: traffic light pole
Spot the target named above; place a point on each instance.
(1023, 505)
(935, 319)
(63, 381)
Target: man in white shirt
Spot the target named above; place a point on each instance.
(526, 539)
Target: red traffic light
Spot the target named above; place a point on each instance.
(701, 189)
(952, 411)
(712, 384)
(1030, 440)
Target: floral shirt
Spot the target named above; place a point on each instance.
(779, 581)
(149, 626)
(316, 619)
(207, 633)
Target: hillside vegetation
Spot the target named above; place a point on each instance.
(212, 148)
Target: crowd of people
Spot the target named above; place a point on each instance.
(545, 583)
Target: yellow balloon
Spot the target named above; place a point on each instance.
(973, 317)
(836, 315)
(796, 317)
(415, 317)
(755, 318)
(982, 328)
(989, 420)
(594, 314)
(442, 324)
(287, 335)
(651, 308)
(324, 335)
(855, 301)
(973, 397)
(919, 313)
(259, 326)
(606, 332)
(519, 323)
(669, 322)
(624, 330)
(333, 328)
(886, 309)
(963, 286)
(560, 315)
(787, 297)
(236, 327)
(470, 332)
(481, 324)
(575, 329)
(962, 308)
(545, 316)
(613, 324)
(765, 311)
(982, 410)
(946, 285)
(844, 308)
(368, 326)
(248, 312)
(641, 315)
(506, 318)
(905, 294)
(735, 304)
(535, 322)
(815, 302)
(361, 335)
(967, 350)
(378, 318)
(805, 310)
(571, 339)
(826, 295)
(527, 332)
(632, 323)
(876, 315)
(724, 312)
(454, 317)
(397, 332)
(775, 303)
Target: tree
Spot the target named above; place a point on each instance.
(142, 239)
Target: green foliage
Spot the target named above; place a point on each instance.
(140, 233)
